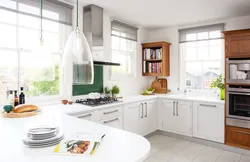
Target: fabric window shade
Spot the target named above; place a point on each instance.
(122, 30)
(52, 9)
(202, 29)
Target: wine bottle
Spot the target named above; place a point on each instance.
(21, 97)
(15, 99)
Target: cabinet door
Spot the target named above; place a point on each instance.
(86, 116)
(208, 121)
(236, 136)
(132, 117)
(169, 116)
(149, 119)
(184, 117)
(238, 45)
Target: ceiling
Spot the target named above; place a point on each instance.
(163, 13)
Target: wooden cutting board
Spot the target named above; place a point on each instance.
(156, 84)
(20, 115)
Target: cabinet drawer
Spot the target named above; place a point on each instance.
(105, 113)
(86, 116)
(238, 136)
(115, 122)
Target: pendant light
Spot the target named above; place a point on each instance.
(44, 67)
(77, 63)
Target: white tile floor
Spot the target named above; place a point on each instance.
(167, 149)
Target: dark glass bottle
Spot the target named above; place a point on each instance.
(21, 97)
(15, 99)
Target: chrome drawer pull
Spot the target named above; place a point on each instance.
(110, 112)
(207, 105)
(105, 122)
(84, 116)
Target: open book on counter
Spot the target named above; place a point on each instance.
(79, 144)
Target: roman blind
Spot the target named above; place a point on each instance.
(123, 30)
(53, 10)
(201, 33)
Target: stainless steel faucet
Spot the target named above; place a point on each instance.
(183, 91)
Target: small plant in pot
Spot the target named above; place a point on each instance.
(107, 92)
(115, 90)
(219, 84)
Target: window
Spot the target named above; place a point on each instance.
(201, 51)
(19, 34)
(124, 39)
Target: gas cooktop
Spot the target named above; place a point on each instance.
(97, 102)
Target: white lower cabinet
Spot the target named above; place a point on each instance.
(177, 116)
(140, 117)
(208, 121)
(115, 122)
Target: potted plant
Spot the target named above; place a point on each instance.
(115, 90)
(107, 92)
(219, 83)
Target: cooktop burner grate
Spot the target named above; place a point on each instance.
(97, 102)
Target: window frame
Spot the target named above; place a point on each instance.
(44, 100)
(183, 61)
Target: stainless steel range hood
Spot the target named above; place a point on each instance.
(93, 30)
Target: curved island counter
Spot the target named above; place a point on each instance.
(117, 145)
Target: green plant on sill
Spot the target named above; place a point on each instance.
(107, 90)
(219, 83)
(115, 90)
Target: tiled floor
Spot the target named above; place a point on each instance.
(167, 149)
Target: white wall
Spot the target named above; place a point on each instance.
(129, 85)
(171, 35)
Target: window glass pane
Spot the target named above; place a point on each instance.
(25, 21)
(202, 44)
(215, 34)
(202, 53)
(7, 36)
(29, 9)
(51, 41)
(9, 17)
(37, 75)
(191, 54)
(124, 60)
(211, 71)
(51, 15)
(51, 26)
(215, 42)
(28, 39)
(215, 52)
(203, 35)
(191, 44)
(193, 73)
(115, 43)
(191, 37)
(8, 4)
(8, 73)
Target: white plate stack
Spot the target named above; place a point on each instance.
(43, 136)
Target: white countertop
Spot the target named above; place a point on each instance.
(117, 145)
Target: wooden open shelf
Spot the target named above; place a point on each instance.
(158, 67)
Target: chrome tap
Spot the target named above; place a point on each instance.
(183, 91)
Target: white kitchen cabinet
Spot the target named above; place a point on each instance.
(115, 122)
(140, 117)
(177, 116)
(208, 121)
(132, 114)
(86, 115)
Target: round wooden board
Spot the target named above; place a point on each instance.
(20, 115)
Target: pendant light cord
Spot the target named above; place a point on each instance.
(77, 13)
(41, 17)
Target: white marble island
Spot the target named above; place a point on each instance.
(117, 146)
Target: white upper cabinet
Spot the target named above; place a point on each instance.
(177, 116)
(208, 121)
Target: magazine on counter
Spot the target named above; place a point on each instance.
(79, 144)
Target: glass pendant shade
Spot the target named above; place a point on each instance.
(77, 63)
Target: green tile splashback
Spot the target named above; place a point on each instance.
(96, 87)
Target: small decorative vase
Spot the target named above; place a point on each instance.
(114, 96)
(222, 94)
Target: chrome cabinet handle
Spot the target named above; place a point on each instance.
(146, 109)
(177, 108)
(105, 122)
(174, 108)
(207, 105)
(84, 116)
(105, 113)
(142, 110)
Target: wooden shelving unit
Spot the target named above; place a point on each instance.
(156, 59)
